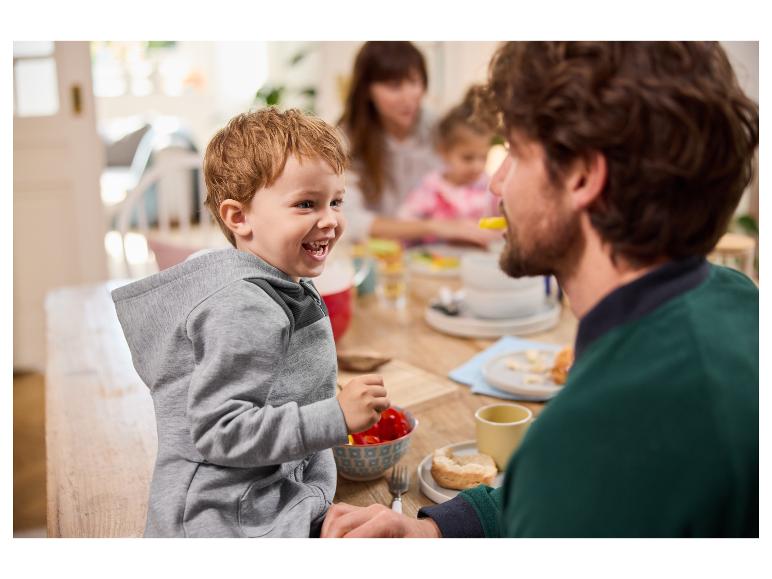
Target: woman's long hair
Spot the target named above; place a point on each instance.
(375, 62)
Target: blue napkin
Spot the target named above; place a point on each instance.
(470, 373)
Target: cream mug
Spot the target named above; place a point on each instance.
(500, 428)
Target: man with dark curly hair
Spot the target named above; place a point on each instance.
(626, 162)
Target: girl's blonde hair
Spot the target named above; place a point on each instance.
(471, 114)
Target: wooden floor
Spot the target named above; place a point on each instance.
(29, 455)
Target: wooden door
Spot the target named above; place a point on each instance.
(58, 223)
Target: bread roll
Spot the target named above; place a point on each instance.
(562, 365)
(456, 471)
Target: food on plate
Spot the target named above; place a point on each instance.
(493, 223)
(392, 425)
(383, 248)
(563, 361)
(537, 368)
(437, 261)
(513, 364)
(532, 355)
(535, 365)
(533, 379)
(462, 471)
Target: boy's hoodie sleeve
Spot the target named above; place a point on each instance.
(239, 337)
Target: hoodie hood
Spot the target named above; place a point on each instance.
(153, 311)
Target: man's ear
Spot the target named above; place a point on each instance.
(232, 214)
(587, 179)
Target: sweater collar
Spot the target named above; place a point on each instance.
(640, 297)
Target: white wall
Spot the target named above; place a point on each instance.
(452, 67)
(335, 62)
(463, 64)
(744, 57)
(234, 71)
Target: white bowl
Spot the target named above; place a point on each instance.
(482, 271)
(506, 304)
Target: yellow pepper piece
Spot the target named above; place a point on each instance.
(493, 223)
(445, 262)
(350, 439)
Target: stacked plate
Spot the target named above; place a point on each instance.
(467, 325)
(494, 304)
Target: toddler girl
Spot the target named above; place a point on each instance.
(460, 189)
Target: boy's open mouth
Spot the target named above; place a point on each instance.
(317, 249)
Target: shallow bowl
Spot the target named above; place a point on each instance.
(360, 462)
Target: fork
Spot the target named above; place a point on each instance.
(398, 485)
(449, 301)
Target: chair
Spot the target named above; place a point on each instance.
(174, 237)
(129, 157)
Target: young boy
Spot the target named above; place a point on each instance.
(236, 346)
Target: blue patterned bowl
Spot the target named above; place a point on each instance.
(361, 462)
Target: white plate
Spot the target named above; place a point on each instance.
(429, 486)
(498, 374)
(468, 326)
(415, 265)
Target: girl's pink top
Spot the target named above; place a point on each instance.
(436, 198)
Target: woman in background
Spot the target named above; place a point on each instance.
(391, 147)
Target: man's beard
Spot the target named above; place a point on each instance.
(550, 252)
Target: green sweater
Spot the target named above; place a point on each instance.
(655, 433)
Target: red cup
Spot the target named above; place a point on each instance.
(339, 308)
(336, 286)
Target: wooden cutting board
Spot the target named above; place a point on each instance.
(408, 386)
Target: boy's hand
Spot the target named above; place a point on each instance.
(362, 401)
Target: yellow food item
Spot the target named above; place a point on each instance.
(440, 262)
(384, 248)
(436, 261)
(563, 361)
(493, 223)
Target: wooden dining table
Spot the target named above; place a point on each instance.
(100, 427)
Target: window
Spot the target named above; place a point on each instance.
(35, 82)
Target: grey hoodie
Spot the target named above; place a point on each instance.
(240, 362)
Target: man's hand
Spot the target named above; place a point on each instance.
(362, 400)
(344, 520)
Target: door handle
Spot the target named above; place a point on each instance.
(77, 104)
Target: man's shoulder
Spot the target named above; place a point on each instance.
(698, 350)
(731, 282)
(690, 322)
(686, 348)
(682, 340)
